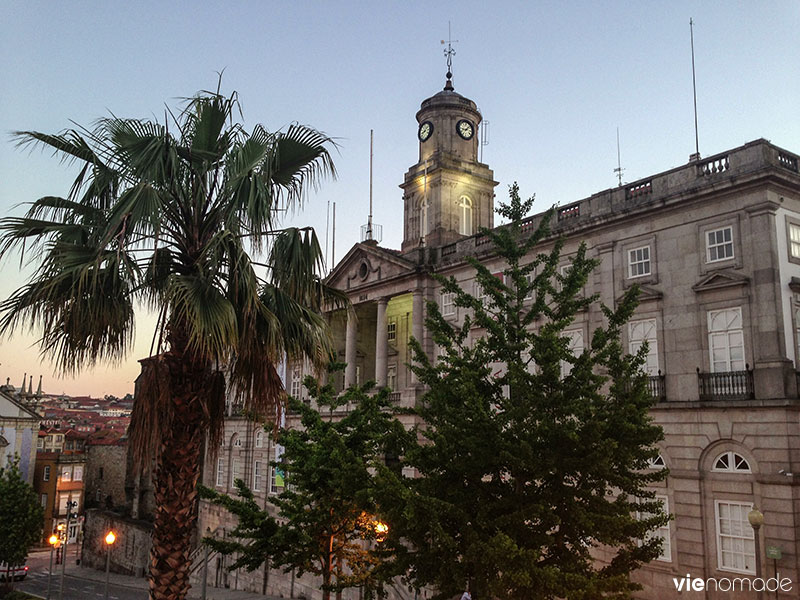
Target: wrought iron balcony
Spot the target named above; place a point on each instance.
(726, 385)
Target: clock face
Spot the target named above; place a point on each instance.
(425, 131)
(465, 129)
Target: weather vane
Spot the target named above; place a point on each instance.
(449, 53)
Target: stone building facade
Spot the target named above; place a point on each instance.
(715, 247)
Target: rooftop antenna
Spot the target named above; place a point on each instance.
(484, 136)
(333, 237)
(696, 155)
(370, 231)
(619, 168)
(449, 53)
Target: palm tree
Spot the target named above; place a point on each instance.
(172, 217)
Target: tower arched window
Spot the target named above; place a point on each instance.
(423, 218)
(465, 215)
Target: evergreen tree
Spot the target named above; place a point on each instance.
(327, 518)
(21, 515)
(532, 457)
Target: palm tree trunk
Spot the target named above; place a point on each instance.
(175, 475)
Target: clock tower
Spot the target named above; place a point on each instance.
(448, 194)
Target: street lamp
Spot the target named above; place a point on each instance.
(54, 543)
(756, 518)
(110, 539)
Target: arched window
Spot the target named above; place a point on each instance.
(656, 463)
(731, 462)
(259, 439)
(465, 214)
(236, 442)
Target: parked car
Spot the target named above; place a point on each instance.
(17, 573)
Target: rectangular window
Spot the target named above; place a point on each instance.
(719, 244)
(237, 471)
(77, 474)
(448, 308)
(794, 240)
(297, 380)
(220, 472)
(66, 473)
(258, 475)
(662, 532)
(640, 332)
(735, 542)
(44, 501)
(276, 480)
(529, 278)
(62, 503)
(100, 473)
(391, 331)
(480, 295)
(40, 443)
(391, 377)
(46, 473)
(358, 374)
(575, 346)
(726, 340)
(639, 262)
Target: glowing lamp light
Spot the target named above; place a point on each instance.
(110, 538)
(381, 530)
(53, 539)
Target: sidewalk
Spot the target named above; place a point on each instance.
(130, 581)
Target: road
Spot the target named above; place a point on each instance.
(79, 584)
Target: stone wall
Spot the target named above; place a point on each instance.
(131, 551)
(105, 476)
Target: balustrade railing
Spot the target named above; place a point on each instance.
(726, 385)
(715, 165)
(569, 212)
(639, 189)
(787, 161)
(657, 387)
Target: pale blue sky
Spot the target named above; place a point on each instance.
(554, 79)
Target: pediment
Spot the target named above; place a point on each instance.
(365, 264)
(646, 294)
(719, 280)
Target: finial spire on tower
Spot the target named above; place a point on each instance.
(449, 53)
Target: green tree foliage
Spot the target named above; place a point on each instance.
(21, 515)
(531, 457)
(327, 517)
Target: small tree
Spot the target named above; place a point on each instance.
(21, 515)
(532, 456)
(327, 515)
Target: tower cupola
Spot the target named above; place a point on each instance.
(448, 193)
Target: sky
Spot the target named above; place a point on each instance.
(554, 79)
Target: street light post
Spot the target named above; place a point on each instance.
(756, 518)
(70, 505)
(53, 541)
(110, 539)
(205, 566)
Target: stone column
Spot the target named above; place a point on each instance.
(381, 343)
(350, 349)
(417, 320)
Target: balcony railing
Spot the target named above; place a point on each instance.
(726, 385)
(658, 390)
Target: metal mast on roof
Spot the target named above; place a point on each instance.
(371, 231)
(449, 53)
(696, 155)
(619, 168)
